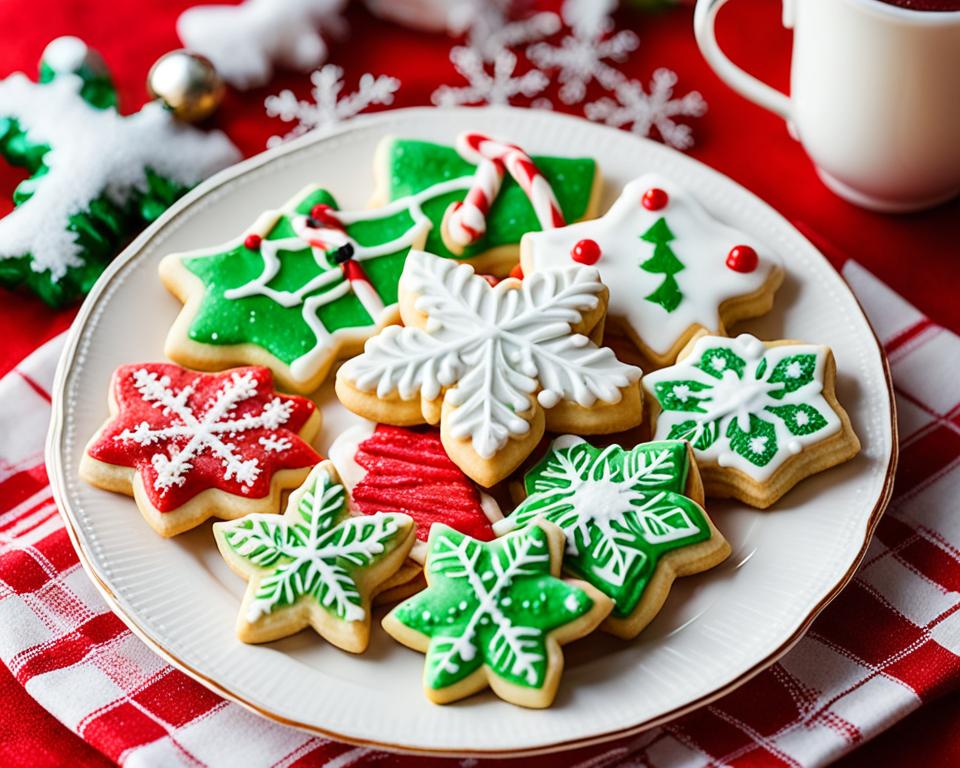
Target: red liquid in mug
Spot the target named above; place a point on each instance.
(925, 5)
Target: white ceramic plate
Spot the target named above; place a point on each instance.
(715, 631)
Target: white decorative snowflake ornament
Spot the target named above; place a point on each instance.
(328, 107)
(580, 58)
(495, 83)
(487, 361)
(643, 111)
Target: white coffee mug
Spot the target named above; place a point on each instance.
(875, 96)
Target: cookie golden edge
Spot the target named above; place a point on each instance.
(205, 505)
(351, 636)
(484, 677)
(730, 482)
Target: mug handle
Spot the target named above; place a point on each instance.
(742, 82)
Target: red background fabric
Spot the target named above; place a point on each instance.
(917, 254)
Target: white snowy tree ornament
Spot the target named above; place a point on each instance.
(245, 41)
(96, 176)
(328, 106)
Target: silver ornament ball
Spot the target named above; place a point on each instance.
(187, 83)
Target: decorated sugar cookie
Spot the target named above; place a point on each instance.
(761, 416)
(495, 613)
(671, 268)
(482, 195)
(488, 362)
(189, 446)
(633, 521)
(403, 469)
(303, 286)
(315, 565)
(95, 176)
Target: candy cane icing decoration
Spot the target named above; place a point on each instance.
(465, 222)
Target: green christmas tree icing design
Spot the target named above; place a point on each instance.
(299, 286)
(490, 603)
(95, 176)
(314, 553)
(621, 511)
(416, 166)
(743, 405)
(663, 262)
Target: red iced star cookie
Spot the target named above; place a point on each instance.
(397, 469)
(189, 446)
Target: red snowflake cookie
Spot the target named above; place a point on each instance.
(191, 445)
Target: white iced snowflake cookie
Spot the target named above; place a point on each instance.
(761, 416)
(494, 366)
(315, 565)
(671, 268)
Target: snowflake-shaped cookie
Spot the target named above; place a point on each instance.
(406, 469)
(633, 521)
(760, 417)
(189, 445)
(495, 613)
(486, 362)
(315, 565)
(671, 268)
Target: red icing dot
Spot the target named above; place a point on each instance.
(742, 258)
(586, 252)
(654, 199)
(252, 242)
(517, 272)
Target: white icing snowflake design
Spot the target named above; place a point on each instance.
(245, 41)
(579, 59)
(695, 239)
(314, 550)
(488, 350)
(743, 405)
(328, 107)
(498, 86)
(93, 152)
(208, 431)
(644, 111)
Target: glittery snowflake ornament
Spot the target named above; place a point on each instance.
(315, 565)
(495, 613)
(329, 106)
(96, 176)
(488, 362)
(632, 519)
(760, 417)
(495, 83)
(189, 445)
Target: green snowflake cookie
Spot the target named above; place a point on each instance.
(314, 565)
(747, 406)
(623, 512)
(495, 613)
(95, 176)
(307, 284)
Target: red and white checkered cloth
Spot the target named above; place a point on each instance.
(889, 642)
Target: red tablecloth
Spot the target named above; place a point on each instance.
(916, 254)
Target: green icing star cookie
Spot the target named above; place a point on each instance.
(633, 521)
(495, 613)
(306, 285)
(407, 167)
(315, 565)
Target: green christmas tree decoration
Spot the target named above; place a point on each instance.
(663, 262)
(95, 176)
